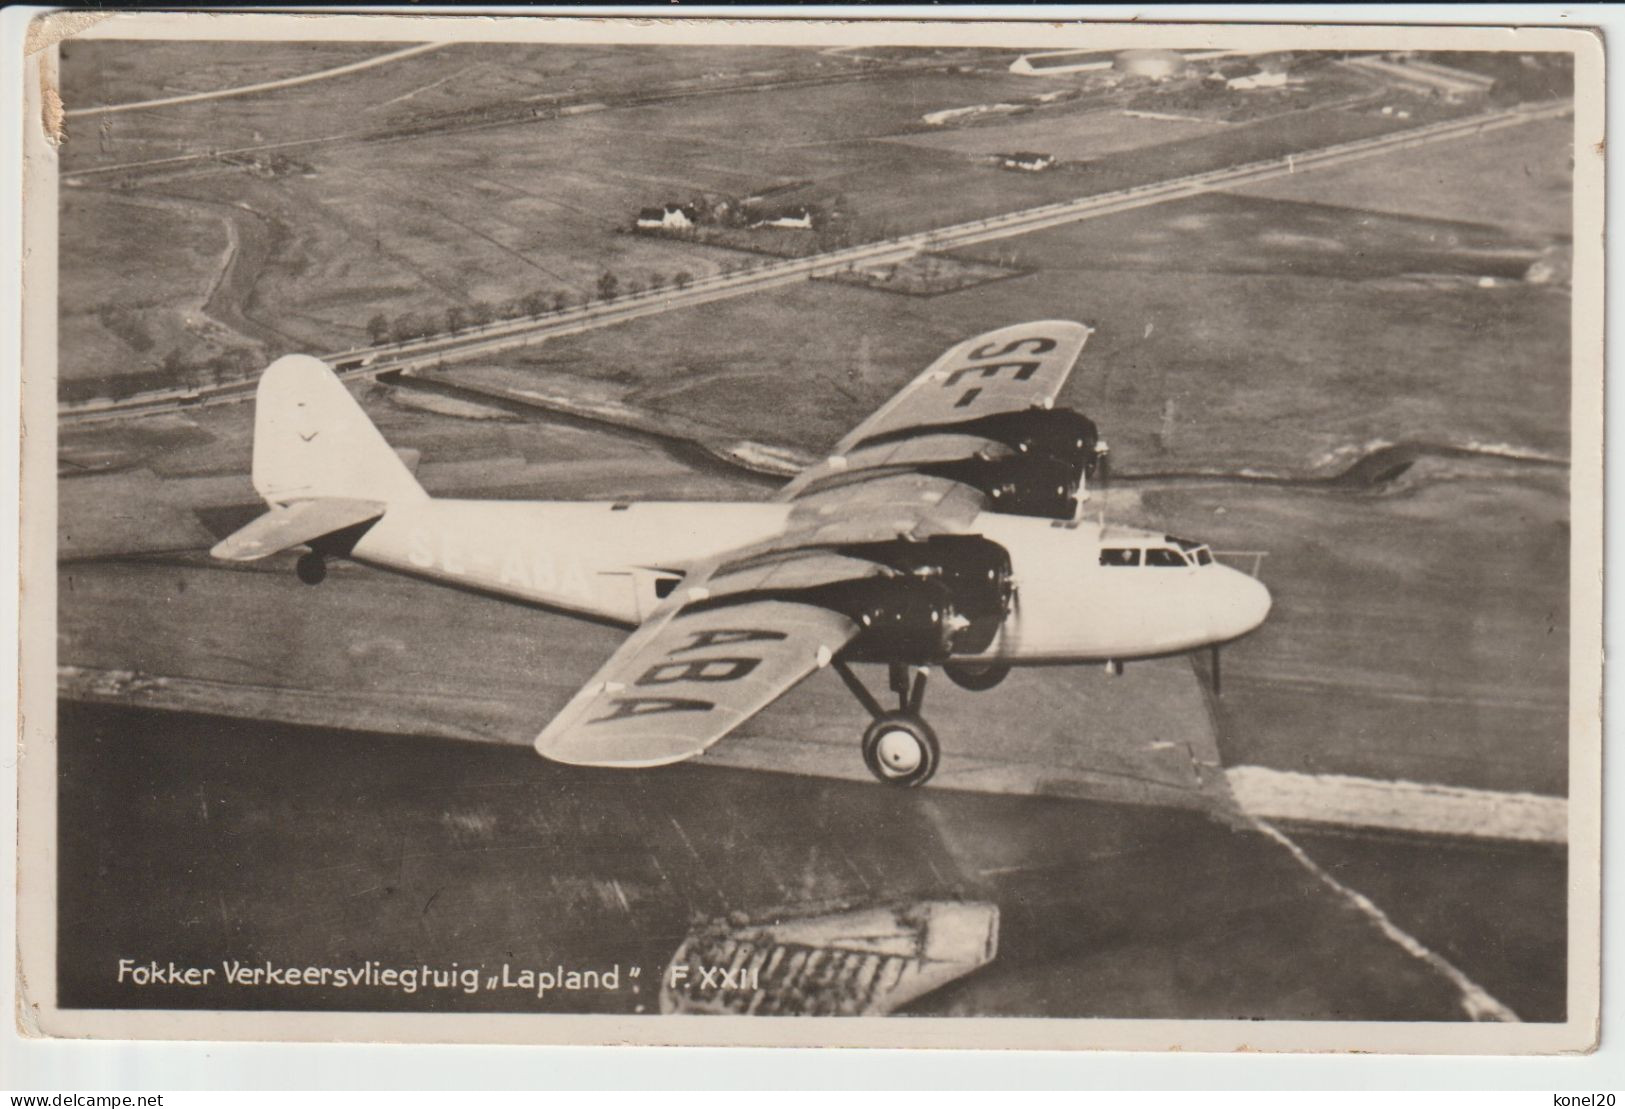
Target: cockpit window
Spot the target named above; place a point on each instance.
(1119, 556)
(1163, 556)
(1203, 556)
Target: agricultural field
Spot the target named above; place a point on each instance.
(1518, 179)
(438, 86)
(96, 74)
(1420, 628)
(406, 228)
(126, 308)
(1211, 364)
(1070, 137)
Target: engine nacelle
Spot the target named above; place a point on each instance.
(1020, 484)
(975, 572)
(900, 619)
(943, 595)
(1056, 433)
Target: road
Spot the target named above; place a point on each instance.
(511, 334)
(262, 86)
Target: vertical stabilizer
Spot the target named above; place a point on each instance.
(311, 439)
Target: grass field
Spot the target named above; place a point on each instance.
(1070, 137)
(410, 229)
(1418, 634)
(453, 79)
(1189, 367)
(1519, 178)
(136, 273)
(100, 73)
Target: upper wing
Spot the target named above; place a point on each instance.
(719, 650)
(1009, 370)
(1015, 367)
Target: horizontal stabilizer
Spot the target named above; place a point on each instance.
(295, 524)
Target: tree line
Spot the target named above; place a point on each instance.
(457, 318)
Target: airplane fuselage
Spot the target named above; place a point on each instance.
(1082, 593)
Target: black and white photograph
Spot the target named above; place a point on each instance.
(904, 524)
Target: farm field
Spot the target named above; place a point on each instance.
(1069, 136)
(1518, 179)
(97, 74)
(452, 79)
(1187, 370)
(1420, 629)
(127, 304)
(335, 244)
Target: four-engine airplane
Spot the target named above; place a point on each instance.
(946, 530)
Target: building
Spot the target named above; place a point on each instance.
(1264, 79)
(672, 217)
(794, 218)
(1027, 160)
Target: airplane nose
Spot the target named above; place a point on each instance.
(1246, 602)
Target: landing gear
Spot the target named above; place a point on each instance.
(311, 568)
(976, 678)
(899, 747)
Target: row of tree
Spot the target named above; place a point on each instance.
(476, 314)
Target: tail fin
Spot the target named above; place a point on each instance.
(311, 439)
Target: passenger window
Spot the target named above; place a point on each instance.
(1163, 556)
(1119, 556)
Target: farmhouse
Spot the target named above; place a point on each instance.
(672, 217)
(1030, 161)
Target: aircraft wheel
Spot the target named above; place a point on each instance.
(311, 568)
(967, 675)
(901, 750)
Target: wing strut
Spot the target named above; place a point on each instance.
(859, 690)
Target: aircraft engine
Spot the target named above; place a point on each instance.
(1019, 484)
(900, 619)
(1057, 433)
(1060, 434)
(973, 571)
(935, 597)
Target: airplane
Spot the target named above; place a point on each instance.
(948, 529)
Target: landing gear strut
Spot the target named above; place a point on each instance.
(311, 568)
(899, 747)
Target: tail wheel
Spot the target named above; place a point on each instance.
(976, 677)
(311, 568)
(901, 750)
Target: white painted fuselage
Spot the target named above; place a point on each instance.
(614, 560)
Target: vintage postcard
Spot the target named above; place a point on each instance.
(997, 534)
